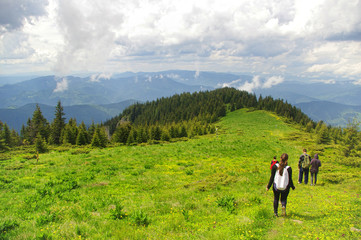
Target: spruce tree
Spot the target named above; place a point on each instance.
(122, 132)
(132, 137)
(40, 144)
(7, 136)
(165, 136)
(82, 138)
(3, 146)
(309, 126)
(38, 124)
(58, 124)
(99, 137)
(70, 132)
(183, 132)
(155, 133)
(351, 139)
(323, 135)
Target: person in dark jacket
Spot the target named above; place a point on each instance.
(281, 167)
(274, 161)
(315, 164)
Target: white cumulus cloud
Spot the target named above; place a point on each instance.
(99, 77)
(61, 85)
(272, 81)
(261, 37)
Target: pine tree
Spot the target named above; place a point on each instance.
(132, 137)
(155, 133)
(351, 139)
(38, 124)
(141, 135)
(183, 132)
(99, 138)
(165, 136)
(173, 131)
(15, 138)
(3, 146)
(70, 132)
(82, 138)
(318, 126)
(309, 126)
(323, 136)
(40, 144)
(7, 136)
(91, 130)
(122, 132)
(58, 124)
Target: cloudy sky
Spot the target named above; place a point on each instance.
(305, 38)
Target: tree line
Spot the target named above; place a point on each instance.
(179, 116)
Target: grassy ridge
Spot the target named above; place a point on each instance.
(212, 187)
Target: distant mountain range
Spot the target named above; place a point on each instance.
(15, 118)
(100, 97)
(336, 104)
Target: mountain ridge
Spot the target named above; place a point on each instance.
(15, 118)
(100, 89)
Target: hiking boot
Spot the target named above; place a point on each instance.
(276, 215)
(283, 211)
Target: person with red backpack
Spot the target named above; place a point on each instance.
(281, 178)
(273, 162)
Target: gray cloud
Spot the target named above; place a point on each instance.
(13, 13)
(349, 36)
(89, 37)
(262, 37)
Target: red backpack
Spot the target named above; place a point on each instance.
(273, 163)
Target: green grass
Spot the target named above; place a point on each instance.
(211, 187)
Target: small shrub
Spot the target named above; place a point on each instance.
(6, 180)
(140, 218)
(40, 144)
(14, 167)
(334, 178)
(186, 214)
(227, 202)
(352, 162)
(255, 199)
(29, 157)
(137, 172)
(63, 148)
(148, 165)
(117, 212)
(42, 192)
(7, 225)
(80, 151)
(185, 164)
(43, 236)
(189, 171)
(4, 157)
(46, 218)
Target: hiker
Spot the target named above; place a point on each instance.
(315, 164)
(304, 166)
(281, 178)
(273, 162)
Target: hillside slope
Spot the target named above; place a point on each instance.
(212, 187)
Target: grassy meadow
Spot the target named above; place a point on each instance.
(209, 187)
